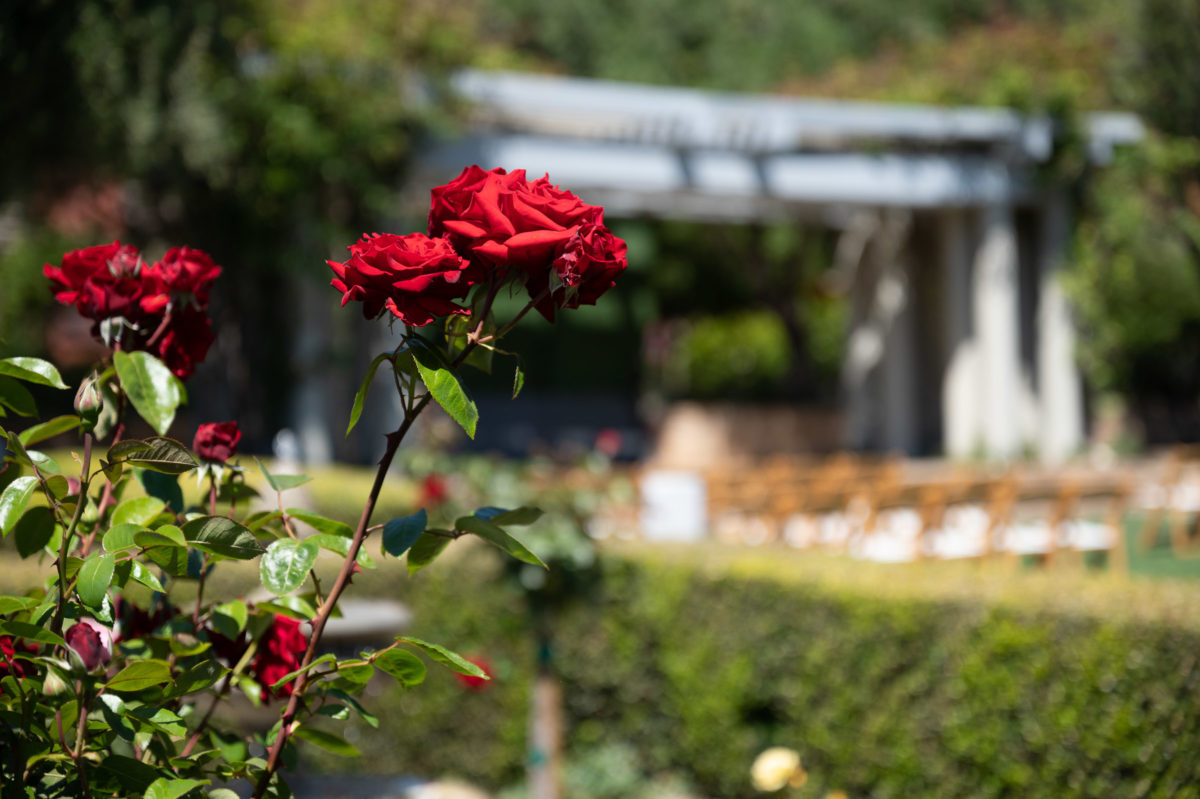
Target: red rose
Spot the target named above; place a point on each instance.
(217, 441)
(92, 642)
(433, 491)
(587, 265)
(162, 305)
(415, 277)
(279, 653)
(473, 683)
(500, 219)
(8, 657)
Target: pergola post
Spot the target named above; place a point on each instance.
(961, 418)
(997, 328)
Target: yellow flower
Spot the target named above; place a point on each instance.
(776, 768)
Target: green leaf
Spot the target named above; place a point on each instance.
(219, 535)
(140, 574)
(44, 463)
(457, 328)
(120, 537)
(166, 536)
(296, 607)
(172, 559)
(285, 565)
(49, 429)
(140, 674)
(526, 514)
(282, 482)
(30, 632)
(361, 395)
(32, 370)
(441, 654)
(518, 380)
(341, 546)
(400, 534)
(496, 536)
(164, 487)
(15, 604)
(163, 788)
(13, 501)
(133, 775)
(199, 677)
(353, 675)
(223, 793)
(163, 455)
(121, 450)
(233, 616)
(33, 530)
(446, 390)
(95, 576)
(401, 664)
(16, 397)
(154, 392)
(320, 523)
(139, 511)
(353, 703)
(427, 548)
(326, 740)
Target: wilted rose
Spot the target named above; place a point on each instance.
(217, 441)
(415, 277)
(92, 642)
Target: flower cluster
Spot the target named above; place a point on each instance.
(160, 308)
(486, 227)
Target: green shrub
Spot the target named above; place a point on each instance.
(891, 682)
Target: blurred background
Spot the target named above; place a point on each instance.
(882, 259)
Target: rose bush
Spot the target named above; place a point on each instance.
(112, 670)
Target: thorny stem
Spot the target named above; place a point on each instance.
(288, 719)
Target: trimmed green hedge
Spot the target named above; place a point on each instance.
(885, 691)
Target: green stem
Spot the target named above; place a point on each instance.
(69, 534)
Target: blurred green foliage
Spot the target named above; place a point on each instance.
(887, 685)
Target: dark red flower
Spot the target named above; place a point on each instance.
(473, 683)
(92, 642)
(279, 652)
(134, 623)
(415, 277)
(433, 491)
(587, 266)
(9, 664)
(217, 441)
(187, 273)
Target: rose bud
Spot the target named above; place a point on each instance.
(53, 685)
(88, 401)
(91, 642)
(217, 441)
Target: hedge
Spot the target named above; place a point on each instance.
(891, 682)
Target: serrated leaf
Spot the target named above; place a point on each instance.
(32, 370)
(320, 523)
(496, 536)
(174, 560)
(49, 429)
(121, 450)
(140, 574)
(526, 514)
(292, 606)
(447, 658)
(120, 537)
(163, 486)
(285, 565)
(33, 530)
(95, 576)
(139, 675)
(164, 455)
(427, 548)
(16, 397)
(401, 664)
(139, 511)
(15, 604)
(341, 546)
(163, 788)
(361, 395)
(326, 740)
(13, 501)
(443, 385)
(166, 536)
(282, 482)
(219, 535)
(154, 392)
(400, 534)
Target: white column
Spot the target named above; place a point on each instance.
(997, 327)
(961, 417)
(1060, 388)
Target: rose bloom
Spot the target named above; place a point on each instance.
(776, 768)
(92, 642)
(279, 653)
(8, 657)
(217, 441)
(415, 277)
(588, 265)
(473, 683)
(500, 219)
(164, 302)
